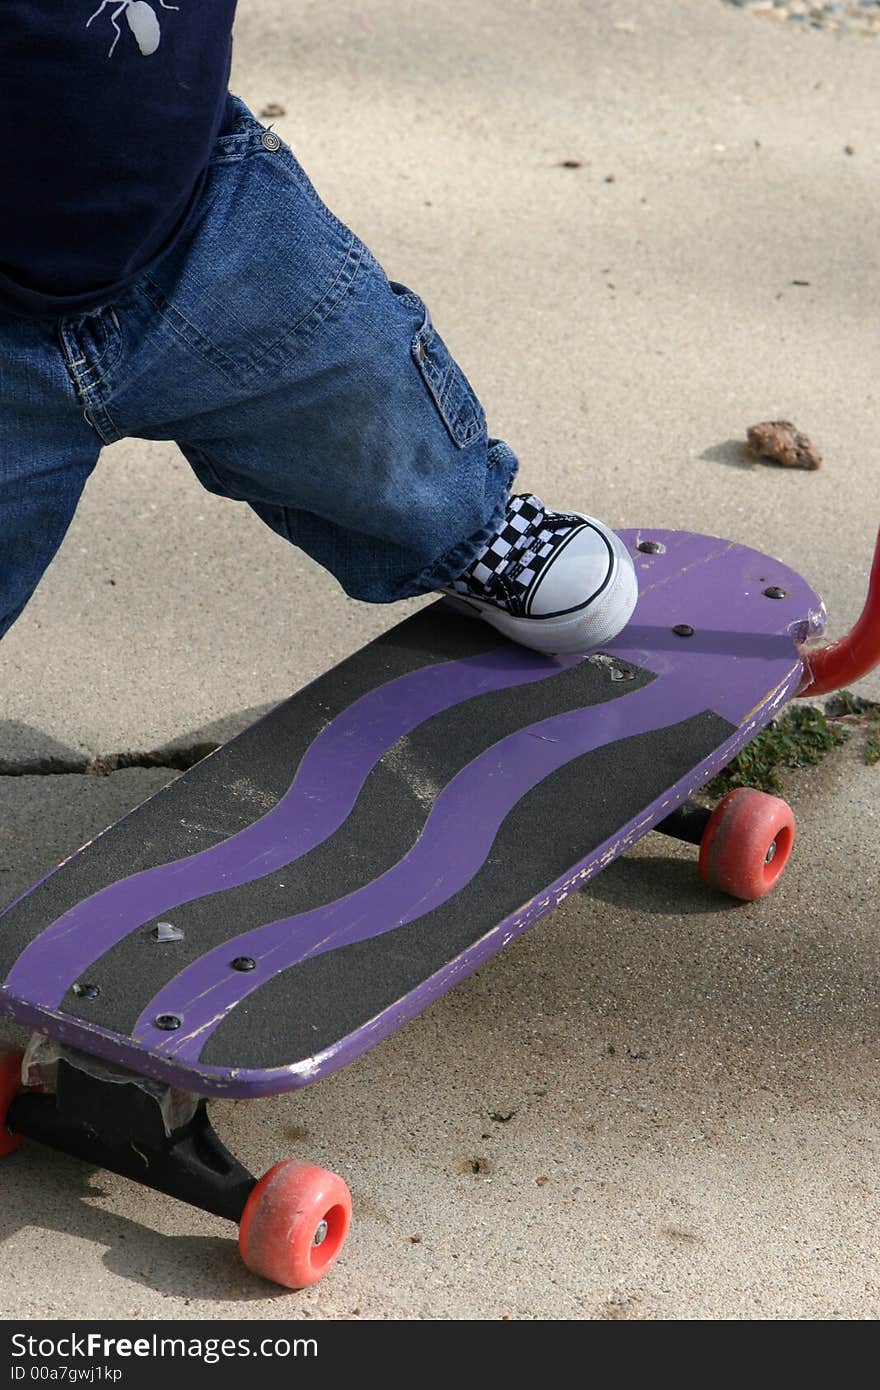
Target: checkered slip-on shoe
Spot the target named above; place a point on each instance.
(554, 581)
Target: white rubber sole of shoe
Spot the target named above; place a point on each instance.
(580, 631)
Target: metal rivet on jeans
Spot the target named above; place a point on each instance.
(270, 141)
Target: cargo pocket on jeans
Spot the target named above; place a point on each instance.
(459, 408)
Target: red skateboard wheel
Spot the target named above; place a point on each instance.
(294, 1224)
(10, 1086)
(746, 843)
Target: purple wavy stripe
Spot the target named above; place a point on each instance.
(452, 848)
(325, 788)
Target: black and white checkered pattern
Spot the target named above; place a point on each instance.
(505, 570)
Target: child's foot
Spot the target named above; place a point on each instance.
(554, 581)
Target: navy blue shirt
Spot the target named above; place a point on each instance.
(107, 117)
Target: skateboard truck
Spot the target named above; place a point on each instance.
(139, 1128)
(732, 837)
(292, 1222)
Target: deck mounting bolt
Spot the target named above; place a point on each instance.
(169, 1023)
(775, 592)
(87, 991)
(683, 630)
(652, 547)
(244, 963)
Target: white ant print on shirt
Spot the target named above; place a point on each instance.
(142, 21)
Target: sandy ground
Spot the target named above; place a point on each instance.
(693, 1084)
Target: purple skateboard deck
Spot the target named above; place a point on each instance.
(348, 858)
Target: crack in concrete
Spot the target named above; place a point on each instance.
(178, 759)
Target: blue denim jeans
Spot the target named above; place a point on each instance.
(271, 347)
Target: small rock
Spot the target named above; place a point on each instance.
(780, 441)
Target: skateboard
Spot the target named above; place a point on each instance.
(301, 893)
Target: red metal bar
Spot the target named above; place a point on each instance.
(852, 656)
